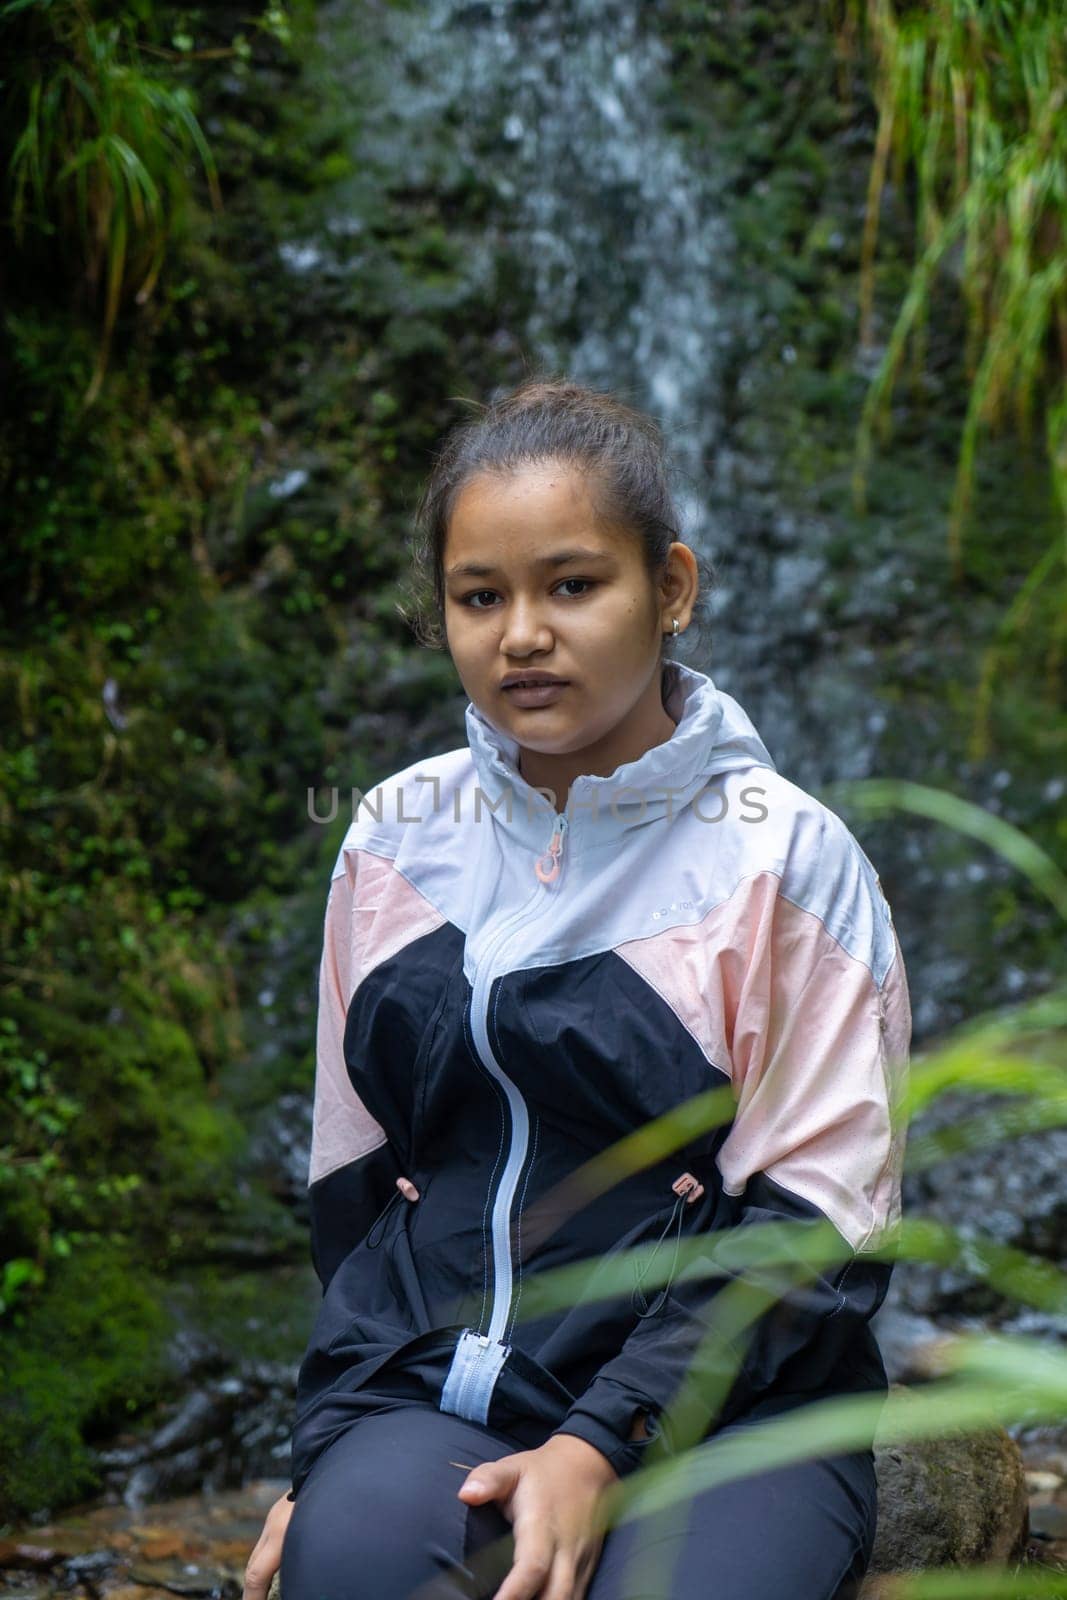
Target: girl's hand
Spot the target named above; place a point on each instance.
(552, 1498)
(266, 1558)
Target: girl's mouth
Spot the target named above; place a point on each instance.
(530, 695)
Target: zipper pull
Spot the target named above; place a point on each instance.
(547, 866)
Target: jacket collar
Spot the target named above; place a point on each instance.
(713, 735)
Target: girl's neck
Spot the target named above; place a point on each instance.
(626, 742)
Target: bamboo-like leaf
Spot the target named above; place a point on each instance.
(973, 98)
(101, 158)
(1029, 1115)
(975, 1583)
(10, 8)
(874, 796)
(811, 1247)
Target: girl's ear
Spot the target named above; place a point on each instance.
(680, 583)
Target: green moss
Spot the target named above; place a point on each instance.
(86, 1357)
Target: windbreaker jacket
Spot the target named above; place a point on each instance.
(505, 993)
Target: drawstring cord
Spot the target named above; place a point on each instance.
(379, 1222)
(673, 1221)
(378, 1225)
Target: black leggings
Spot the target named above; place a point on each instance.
(378, 1518)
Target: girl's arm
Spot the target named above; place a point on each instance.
(820, 1031)
(353, 1169)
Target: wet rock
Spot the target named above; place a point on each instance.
(187, 1580)
(280, 1150)
(200, 1417)
(126, 1591)
(1010, 1187)
(1043, 1482)
(232, 1429)
(183, 1473)
(196, 1546)
(192, 1355)
(92, 1563)
(1049, 1521)
(28, 1557)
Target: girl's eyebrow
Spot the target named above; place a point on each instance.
(475, 569)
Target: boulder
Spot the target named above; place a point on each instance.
(955, 1501)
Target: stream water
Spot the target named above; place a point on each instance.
(621, 221)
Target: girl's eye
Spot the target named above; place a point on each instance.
(476, 595)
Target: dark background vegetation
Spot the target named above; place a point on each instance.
(207, 473)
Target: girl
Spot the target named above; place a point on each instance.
(607, 903)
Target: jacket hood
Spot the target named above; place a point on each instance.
(713, 736)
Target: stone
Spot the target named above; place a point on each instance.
(1043, 1482)
(1049, 1521)
(958, 1500)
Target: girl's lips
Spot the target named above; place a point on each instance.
(535, 694)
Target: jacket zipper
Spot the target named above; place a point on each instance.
(478, 1358)
(547, 866)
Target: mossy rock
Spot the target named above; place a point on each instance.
(955, 1501)
(90, 1353)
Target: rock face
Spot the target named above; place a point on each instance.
(1009, 1186)
(960, 1500)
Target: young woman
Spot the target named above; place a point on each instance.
(607, 903)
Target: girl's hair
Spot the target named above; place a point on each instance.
(621, 450)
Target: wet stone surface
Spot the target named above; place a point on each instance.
(196, 1545)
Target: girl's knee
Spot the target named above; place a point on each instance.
(379, 1513)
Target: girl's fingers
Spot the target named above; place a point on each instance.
(534, 1558)
(562, 1583)
(262, 1565)
(266, 1558)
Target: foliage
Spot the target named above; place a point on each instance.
(101, 167)
(101, 1322)
(972, 104)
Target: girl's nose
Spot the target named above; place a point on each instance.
(524, 630)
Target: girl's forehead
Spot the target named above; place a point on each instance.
(536, 508)
(534, 488)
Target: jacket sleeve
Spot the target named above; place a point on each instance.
(353, 1169)
(819, 1039)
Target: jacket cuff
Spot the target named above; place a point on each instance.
(604, 1417)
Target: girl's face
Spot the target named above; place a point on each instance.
(534, 584)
